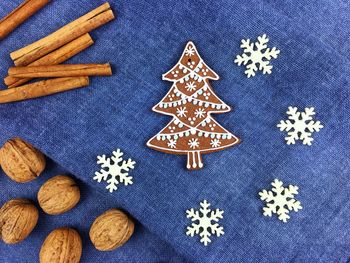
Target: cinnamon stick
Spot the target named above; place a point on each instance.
(42, 88)
(19, 15)
(62, 70)
(65, 34)
(56, 57)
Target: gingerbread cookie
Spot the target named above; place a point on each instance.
(191, 101)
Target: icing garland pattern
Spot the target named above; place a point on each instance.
(190, 101)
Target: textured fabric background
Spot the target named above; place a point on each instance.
(145, 41)
(142, 247)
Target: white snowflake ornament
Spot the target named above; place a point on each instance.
(300, 125)
(114, 170)
(206, 224)
(280, 200)
(255, 54)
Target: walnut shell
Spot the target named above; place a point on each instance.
(61, 245)
(18, 217)
(58, 195)
(21, 161)
(111, 230)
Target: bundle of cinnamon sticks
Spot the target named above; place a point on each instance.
(42, 59)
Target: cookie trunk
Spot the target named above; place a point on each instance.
(194, 160)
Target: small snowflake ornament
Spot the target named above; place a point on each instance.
(114, 170)
(300, 125)
(280, 200)
(205, 222)
(256, 54)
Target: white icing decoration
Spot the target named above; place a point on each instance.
(171, 143)
(215, 143)
(193, 143)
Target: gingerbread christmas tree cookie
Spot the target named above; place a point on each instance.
(191, 101)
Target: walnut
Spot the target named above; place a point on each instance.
(18, 217)
(111, 230)
(21, 161)
(61, 245)
(58, 195)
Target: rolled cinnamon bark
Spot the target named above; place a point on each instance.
(65, 34)
(19, 15)
(42, 88)
(63, 70)
(56, 57)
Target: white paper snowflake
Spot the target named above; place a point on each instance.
(260, 55)
(114, 168)
(206, 224)
(280, 200)
(301, 125)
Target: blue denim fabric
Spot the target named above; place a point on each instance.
(145, 41)
(142, 245)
